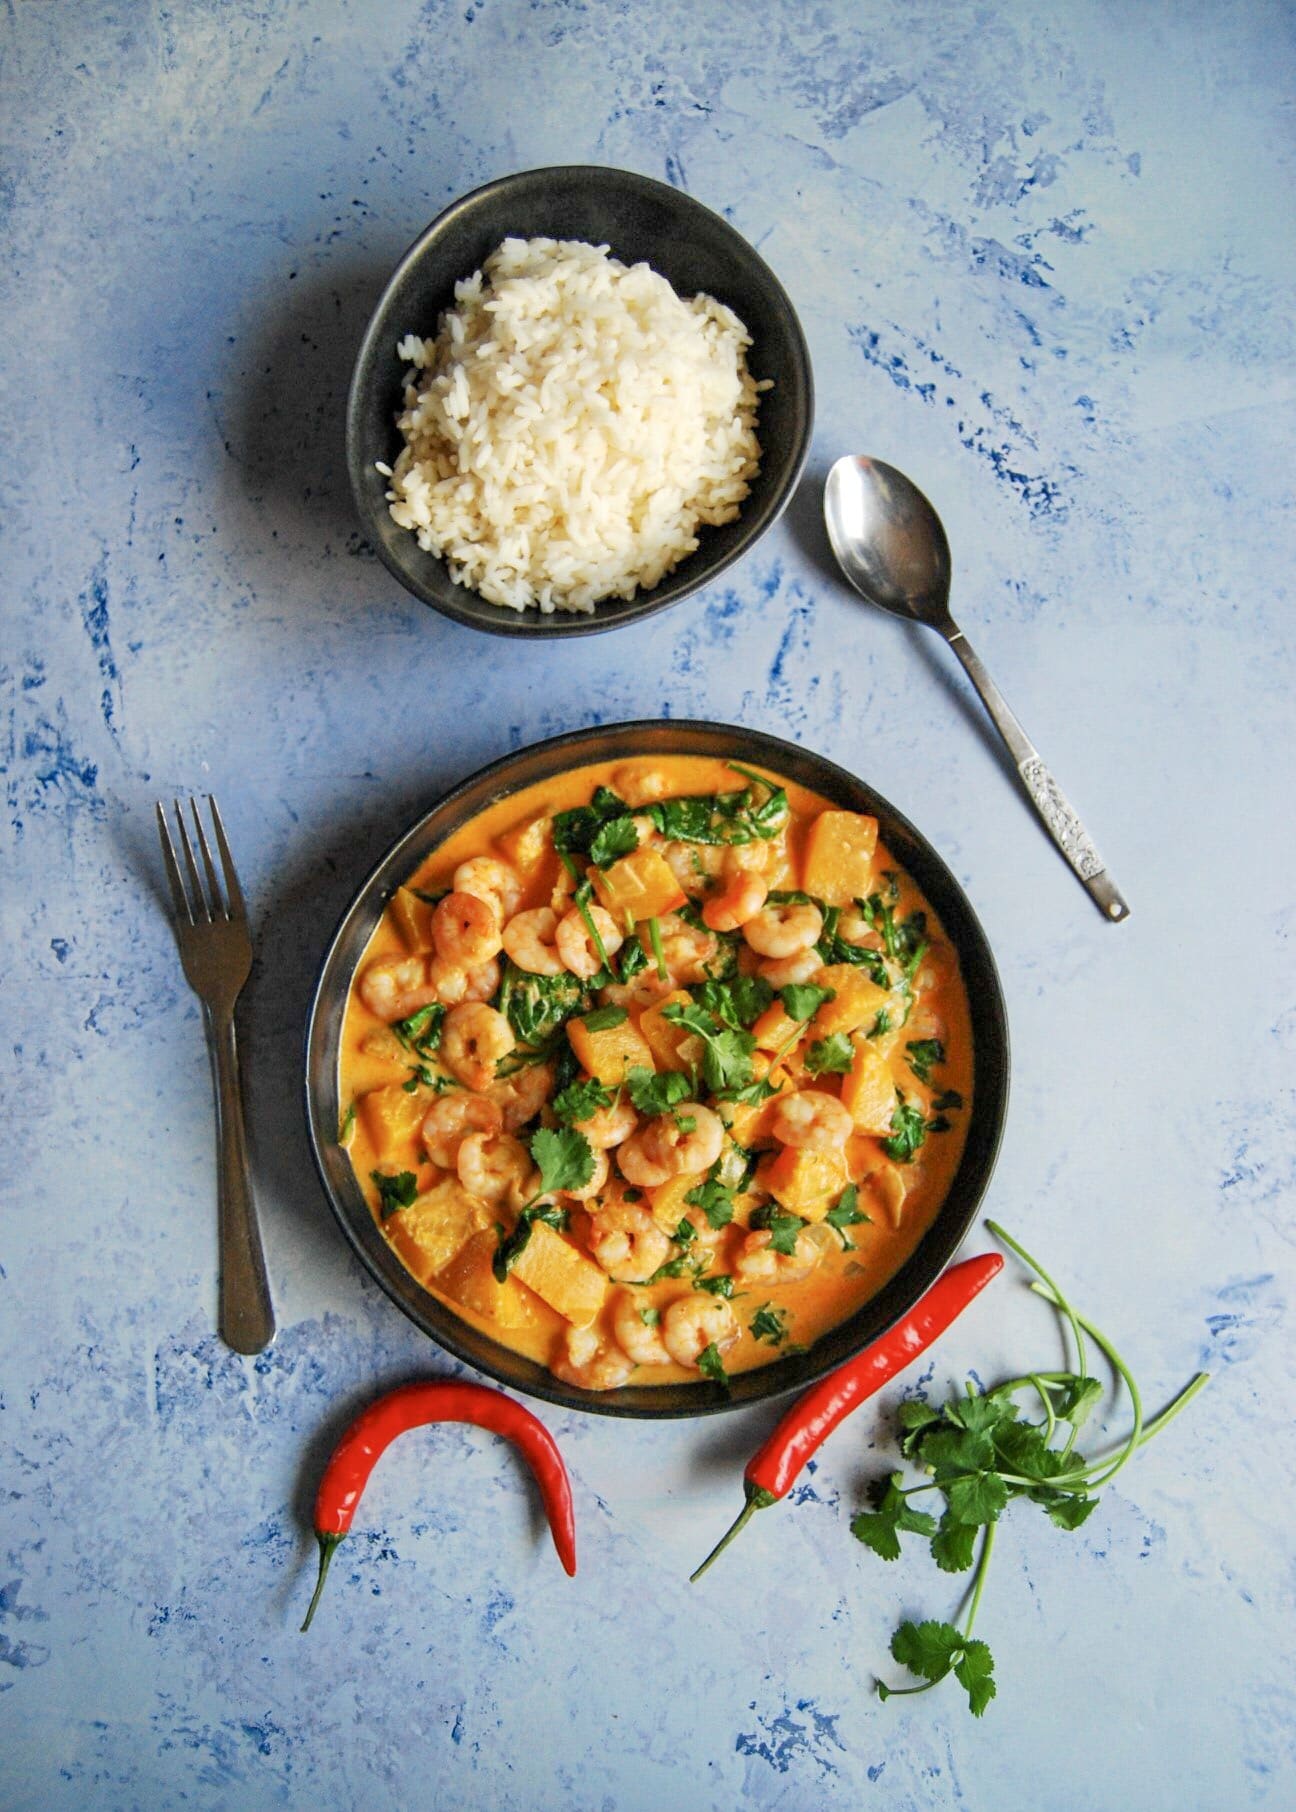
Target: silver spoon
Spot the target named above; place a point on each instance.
(890, 544)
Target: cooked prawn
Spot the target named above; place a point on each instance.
(521, 1096)
(634, 1328)
(396, 986)
(588, 1361)
(692, 1323)
(686, 950)
(609, 1126)
(784, 928)
(690, 1137)
(576, 946)
(645, 990)
(473, 1040)
(780, 971)
(758, 1262)
(529, 939)
(493, 881)
(694, 865)
(496, 1167)
(811, 1120)
(740, 899)
(450, 1120)
(626, 1242)
(855, 927)
(640, 1167)
(639, 785)
(455, 984)
(465, 930)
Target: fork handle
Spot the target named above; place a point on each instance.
(246, 1317)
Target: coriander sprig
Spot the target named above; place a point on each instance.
(980, 1454)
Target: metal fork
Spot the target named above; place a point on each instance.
(216, 952)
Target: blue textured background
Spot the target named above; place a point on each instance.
(1044, 259)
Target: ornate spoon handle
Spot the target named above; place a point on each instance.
(1046, 795)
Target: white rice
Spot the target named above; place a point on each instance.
(571, 426)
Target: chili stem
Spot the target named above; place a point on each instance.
(757, 1499)
(327, 1547)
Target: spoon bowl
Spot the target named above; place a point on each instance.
(892, 547)
(888, 540)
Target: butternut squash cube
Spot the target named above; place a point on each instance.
(608, 1052)
(673, 1047)
(435, 1227)
(839, 852)
(527, 843)
(856, 1001)
(776, 1028)
(560, 1275)
(392, 1118)
(868, 1091)
(805, 1182)
(639, 886)
(413, 919)
(667, 1200)
(470, 1279)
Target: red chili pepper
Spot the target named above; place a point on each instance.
(412, 1406)
(772, 1470)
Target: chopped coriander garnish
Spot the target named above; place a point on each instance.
(421, 1032)
(715, 1201)
(847, 1212)
(711, 1365)
(769, 1324)
(347, 1124)
(720, 1285)
(802, 1000)
(783, 1228)
(924, 1054)
(908, 1133)
(582, 1100)
(831, 1056)
(602, 1019)
(394, 1191)
(654, 1094)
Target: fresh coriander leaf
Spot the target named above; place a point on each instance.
(421, 1032)
(974, 1671)
(711, 1365)
(977, 1498)
(715, 1201)
(633, 960)
(722, 1285)
(512, 1245)
(737, 1003)
(802, 1000)
(769, 1324)
(574, 831)
(953, 1545)
(602, 1019)
(949, 1451)
(655, 1094)
(924, 1054)
(950, 1098)
(908, 1133)
(685, 1233)
(927, 1649)
(881, 1023)
(846, 1212)
(831, 1056)
(536, 1005)
(727, 1053)
(1078, 1400)
(650, 1316)
(784, 1229)
(565, 1159)
(582, 1100)
(915, 1418)
(881, 1527)
(1069, 1512)
(394, 1192)
(613, 839)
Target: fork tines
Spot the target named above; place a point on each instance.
(197, 905)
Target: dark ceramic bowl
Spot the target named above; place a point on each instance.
(619, 742)
(640, 220)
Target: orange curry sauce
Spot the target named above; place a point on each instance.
(808, 1230)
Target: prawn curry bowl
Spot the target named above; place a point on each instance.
(657, 1069)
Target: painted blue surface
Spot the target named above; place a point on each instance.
(1044, 260)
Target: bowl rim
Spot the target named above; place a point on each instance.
(469, 610)
(879, 1312)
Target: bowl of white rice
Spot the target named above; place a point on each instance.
(581, 397)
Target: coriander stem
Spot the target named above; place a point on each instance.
(1049, 1292)
(987, 1548)
(1047, 1401)
(1060, 1301)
